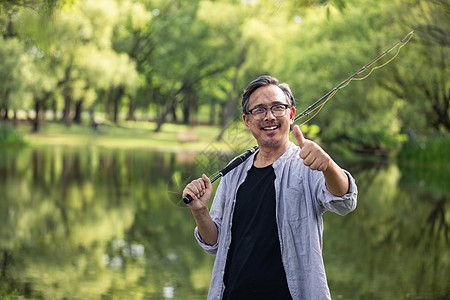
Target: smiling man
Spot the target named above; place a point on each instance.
(265, 224)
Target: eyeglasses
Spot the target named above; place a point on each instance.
(277, 110)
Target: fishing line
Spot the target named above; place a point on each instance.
(322, 101)
(316, 106)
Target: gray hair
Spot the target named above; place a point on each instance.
(261, 81)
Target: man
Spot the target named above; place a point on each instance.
(265, 224)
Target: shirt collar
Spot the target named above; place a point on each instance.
(286, 155)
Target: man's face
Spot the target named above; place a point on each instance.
(270, 131)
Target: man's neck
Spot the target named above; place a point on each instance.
(268, 154)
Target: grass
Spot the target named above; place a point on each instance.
(10, 138)
(430, 150)
(426, 161)
(131, 135)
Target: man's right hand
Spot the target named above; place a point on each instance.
(200, 190)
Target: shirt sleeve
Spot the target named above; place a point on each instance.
(216, 213)
(340, 205)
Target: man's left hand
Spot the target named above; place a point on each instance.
(312, 154)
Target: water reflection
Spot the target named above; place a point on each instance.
(395, 250)
(94, 223)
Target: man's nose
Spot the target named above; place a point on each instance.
(269, 115)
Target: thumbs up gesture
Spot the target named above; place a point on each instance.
(312, 154)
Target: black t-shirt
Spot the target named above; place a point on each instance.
(254, 269)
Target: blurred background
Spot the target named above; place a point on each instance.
(109, 108)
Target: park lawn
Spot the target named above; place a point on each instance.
(130, 135)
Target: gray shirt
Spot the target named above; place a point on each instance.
(301, 199)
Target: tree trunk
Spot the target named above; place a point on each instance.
(117, 99)
(10, 32)
(170, 108)
(187, 108)
(187, 86)
(4, 109)
(131, 108)
(162, 120)
(173, 112)
(15, 120)
(37, 108)
(231, 104)
(54, 109)
(78, 111)
(212, 115)
(186, 112)
(4, 113)
(67, 104)
(441, 109)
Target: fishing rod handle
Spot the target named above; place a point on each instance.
(233, 164)
(188, 198)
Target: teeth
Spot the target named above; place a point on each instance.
(270, 128)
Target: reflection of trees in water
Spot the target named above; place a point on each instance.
(431, 184)
(91, 218)
(438, 226)
(77, 204)
(397, 239)
(10, 283)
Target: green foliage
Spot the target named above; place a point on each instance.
(137, 135)
(108, 236)
(426, 97)
(371, 116)
(401, 220)
(43, 6)
(9, 137)
(427, 159)
(91, 222)
(427, 150)
(6, 295)
(174, 61)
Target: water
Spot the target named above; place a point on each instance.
(92, 223)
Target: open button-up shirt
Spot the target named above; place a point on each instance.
(301, 198)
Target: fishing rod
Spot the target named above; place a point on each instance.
(316, 105)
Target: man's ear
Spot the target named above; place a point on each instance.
(292, 114)
(246, 120)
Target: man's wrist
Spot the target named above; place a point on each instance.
(200, 212)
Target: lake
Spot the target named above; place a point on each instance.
(94, 223)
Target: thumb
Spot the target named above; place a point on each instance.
(299, 135)
(208, 184)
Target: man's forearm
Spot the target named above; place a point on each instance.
(206, 226)
(336, 180)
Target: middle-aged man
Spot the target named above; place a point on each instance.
(265, 224)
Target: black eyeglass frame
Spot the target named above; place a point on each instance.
(250, 111)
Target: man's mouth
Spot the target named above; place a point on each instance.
(270, 127)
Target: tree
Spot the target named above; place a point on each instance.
(177, 74)
(25, 78)
(133, 36)
(65, 46)
(11, 51)
(325, 50)
(426, 97)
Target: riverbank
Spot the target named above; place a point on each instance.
(119, 212)
(430, 149)
(135, 135)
